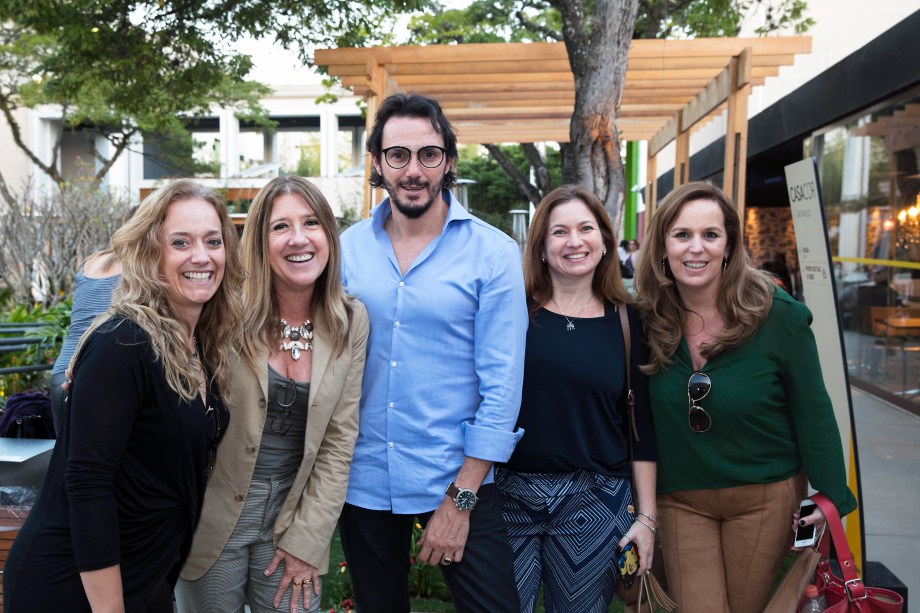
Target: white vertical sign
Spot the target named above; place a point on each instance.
(818, 288)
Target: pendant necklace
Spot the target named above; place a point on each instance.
(571, 326)
(296, 338)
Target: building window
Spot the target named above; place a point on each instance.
(870, 181)
(350, 145)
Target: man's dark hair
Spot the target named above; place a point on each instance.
(412, 105)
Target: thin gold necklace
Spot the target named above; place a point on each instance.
(571, 325)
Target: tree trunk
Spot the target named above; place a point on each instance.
(598, 49)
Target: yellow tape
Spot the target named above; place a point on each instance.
(873, 262)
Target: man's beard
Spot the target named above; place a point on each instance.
(413, 211)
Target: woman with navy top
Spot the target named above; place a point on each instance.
(566, 496)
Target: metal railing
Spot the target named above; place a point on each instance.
(13, 339)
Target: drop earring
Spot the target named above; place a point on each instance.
(724, 264)
(663, 271)
(604, 253)
(543, 259)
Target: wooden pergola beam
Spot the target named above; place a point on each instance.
(524, 92)
(655, 49)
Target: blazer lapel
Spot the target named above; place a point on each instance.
(322, 353)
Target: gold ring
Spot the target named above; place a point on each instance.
(307, 581)
(447, 561)
(298, 583)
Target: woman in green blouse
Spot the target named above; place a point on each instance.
(741, 413)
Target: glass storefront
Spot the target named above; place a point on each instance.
(870, 181)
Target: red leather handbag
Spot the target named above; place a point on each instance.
(849, 594)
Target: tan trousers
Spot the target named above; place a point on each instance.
(723, 547)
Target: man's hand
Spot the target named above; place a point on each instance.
(445, 535)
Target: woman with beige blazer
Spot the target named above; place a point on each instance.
(282, 471)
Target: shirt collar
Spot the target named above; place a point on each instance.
(455, 211)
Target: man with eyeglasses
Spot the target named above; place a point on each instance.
(442, 382)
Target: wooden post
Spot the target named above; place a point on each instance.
(651, 188)
(682, 156)
(736, 131)
(377, 79)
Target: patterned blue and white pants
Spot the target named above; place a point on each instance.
(564, 530)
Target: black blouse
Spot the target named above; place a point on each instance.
(573, 407)
(125, 482)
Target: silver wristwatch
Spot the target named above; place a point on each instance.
(464, 499)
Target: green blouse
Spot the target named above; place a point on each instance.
(771, 414)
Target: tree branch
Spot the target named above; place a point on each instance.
(529, 190)
(536, 27)
(5, 192)
(120, 146)
(17, 138)
(539, 168)
(573, 32)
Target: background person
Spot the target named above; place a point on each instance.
(629, 262)
(280, 478)
(445, 296)
(115, 517)
(95, 282)
(566, 489)
(740, 409)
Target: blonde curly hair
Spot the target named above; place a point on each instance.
(142, 295)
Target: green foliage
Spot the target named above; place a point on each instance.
(348, 218)
(716, 18)
(487, 21)
(494, 194)
(121, 68)
(308, 164)
(539, 20)
(55, 323)
(425, 581)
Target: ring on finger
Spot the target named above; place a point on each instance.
(446, 560)
(298, 583)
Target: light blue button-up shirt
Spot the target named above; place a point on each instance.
(445, 358)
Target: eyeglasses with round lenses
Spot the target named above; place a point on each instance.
(698, 387)
(399, 157)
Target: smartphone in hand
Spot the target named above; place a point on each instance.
(805, 535)
(628, 563)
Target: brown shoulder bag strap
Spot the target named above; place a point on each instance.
(630, 397)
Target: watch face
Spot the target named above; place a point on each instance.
(465, 500)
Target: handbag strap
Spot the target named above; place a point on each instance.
(854, 585)
(630, 397)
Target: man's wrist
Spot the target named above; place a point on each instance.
(465, 499)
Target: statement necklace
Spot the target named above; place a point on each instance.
(571, 326)
(296, 339)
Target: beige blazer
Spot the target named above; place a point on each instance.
(306, 521)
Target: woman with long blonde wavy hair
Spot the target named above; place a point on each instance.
(126, 481)
(280, 480)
